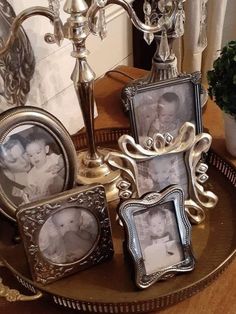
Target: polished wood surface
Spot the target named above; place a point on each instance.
(220, 296)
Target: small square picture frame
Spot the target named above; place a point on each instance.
(66, 233)
(158, 235)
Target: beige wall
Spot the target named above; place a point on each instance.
(230, 22)
(51, 87)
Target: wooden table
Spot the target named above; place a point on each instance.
(220, 296)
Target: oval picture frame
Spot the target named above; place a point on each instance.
(37, 158)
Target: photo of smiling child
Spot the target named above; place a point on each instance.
(47, 172)
(14, 168)
(31, 165)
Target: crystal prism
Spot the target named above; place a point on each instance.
(161, 5)
(102, 25)
(179, 24)
(148, 37)
(164, 50)
(147, 9)
(54, 5)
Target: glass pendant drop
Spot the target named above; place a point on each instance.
(164, 50)
(102, 25)
(179, 24)
(147, 10)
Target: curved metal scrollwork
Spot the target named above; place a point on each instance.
(193, 146)
(98, 4)
(18, 64)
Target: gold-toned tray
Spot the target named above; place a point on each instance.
(108, 288)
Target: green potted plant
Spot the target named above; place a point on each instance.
(222, 89)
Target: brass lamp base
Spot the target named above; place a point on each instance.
(98, 171)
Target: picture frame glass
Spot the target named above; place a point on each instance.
(161, 171)
(32, 164)
(164, 108)
(159, 237)
(68, 235)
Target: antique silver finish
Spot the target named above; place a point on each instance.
(164, 21)
(24, 15)
(91, 165)
(132, 93)
(13, 295)
(34, 217)
(164, 62)
(192, 146)
(127, 166)
(130, 209)
(97, 5)
(17, 120)
(17, 66)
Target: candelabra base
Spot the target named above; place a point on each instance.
(162, 71)
(98, 171)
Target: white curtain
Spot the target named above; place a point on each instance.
(221, 27)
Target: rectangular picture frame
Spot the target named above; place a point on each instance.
(141, 101)
(158, 235)
(189, 148)
(163, 108)
(66, 233)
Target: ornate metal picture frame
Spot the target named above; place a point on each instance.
(66, 233)
(158, 235)
(37, 158)
(187, 148)
(163, 107)
(17, 65)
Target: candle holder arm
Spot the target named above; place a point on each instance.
(24, 15)
(95, 7)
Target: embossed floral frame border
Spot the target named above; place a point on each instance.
(32, 217)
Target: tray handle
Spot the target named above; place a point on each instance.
(13, 295)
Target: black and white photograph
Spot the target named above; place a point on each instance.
(162, 171)
(31, 164)
(157, 235)
(159, 238)
(37, 158)
(164, 107)
(68, 235)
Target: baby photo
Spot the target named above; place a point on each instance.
(162, 171)
(31, 165)
(166, 109)
(68, 235)
(159, 238)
